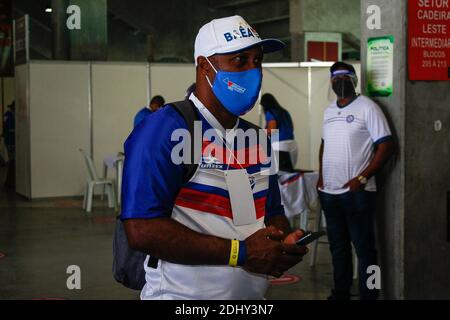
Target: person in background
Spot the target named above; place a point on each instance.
(10, 142)
(279, 118)
(356, 143)
(156, 103)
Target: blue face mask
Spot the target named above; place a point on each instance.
(237, 91)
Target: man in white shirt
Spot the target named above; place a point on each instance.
(356, 143)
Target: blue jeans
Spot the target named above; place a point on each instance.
(350, 219)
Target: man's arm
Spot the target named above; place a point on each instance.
(171, 241)
(382, 153)
(269, 251)
(320, 181)
(271, 125)
(378, 128)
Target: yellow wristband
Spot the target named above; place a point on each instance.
(234, 253)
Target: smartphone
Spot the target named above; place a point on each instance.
(309, 237)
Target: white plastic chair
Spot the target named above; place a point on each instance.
(94, 180)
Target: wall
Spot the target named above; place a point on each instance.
(90, 42)
(324, 16)
(171, 80)
(59, 127)
(390, 202)
(344, 15)
(290, 87)
(123, 45)
(64, 106)
(270, 18)
(8, 84)
(172, 24)
(8, 96)
(119, 91)
(427, 181)
(23, 170)
(415, 254)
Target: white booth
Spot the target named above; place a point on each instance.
(63, 106)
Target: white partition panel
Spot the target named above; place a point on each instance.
(290, 87)
(23, 170)
(171, 80)
(7, 96)
(254, 115)
(59, 127)
(64, 106)
(321, 97)
(8, 85)
(119, 91)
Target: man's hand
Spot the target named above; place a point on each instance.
(293, 237)
(320, 183)
(271, 252)
(354, 185)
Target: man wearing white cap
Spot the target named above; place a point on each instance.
(206, 245)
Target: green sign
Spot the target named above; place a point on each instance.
(380, 66)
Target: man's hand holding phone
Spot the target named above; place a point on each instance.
(309, 237)
(271, 252)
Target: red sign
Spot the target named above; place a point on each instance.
(429, 39)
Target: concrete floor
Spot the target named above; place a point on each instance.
(42, 238)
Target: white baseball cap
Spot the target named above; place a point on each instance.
(228, 35)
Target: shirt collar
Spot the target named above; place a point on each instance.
(348, 103)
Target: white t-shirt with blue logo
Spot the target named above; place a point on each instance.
(350, 136)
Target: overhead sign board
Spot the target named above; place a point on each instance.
(429, 40)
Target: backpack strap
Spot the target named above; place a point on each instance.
(189, 113)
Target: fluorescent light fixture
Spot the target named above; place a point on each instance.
(320, 64)
(316, 64)
(281, 65)
(49, 10)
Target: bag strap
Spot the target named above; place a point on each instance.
(189, 113)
